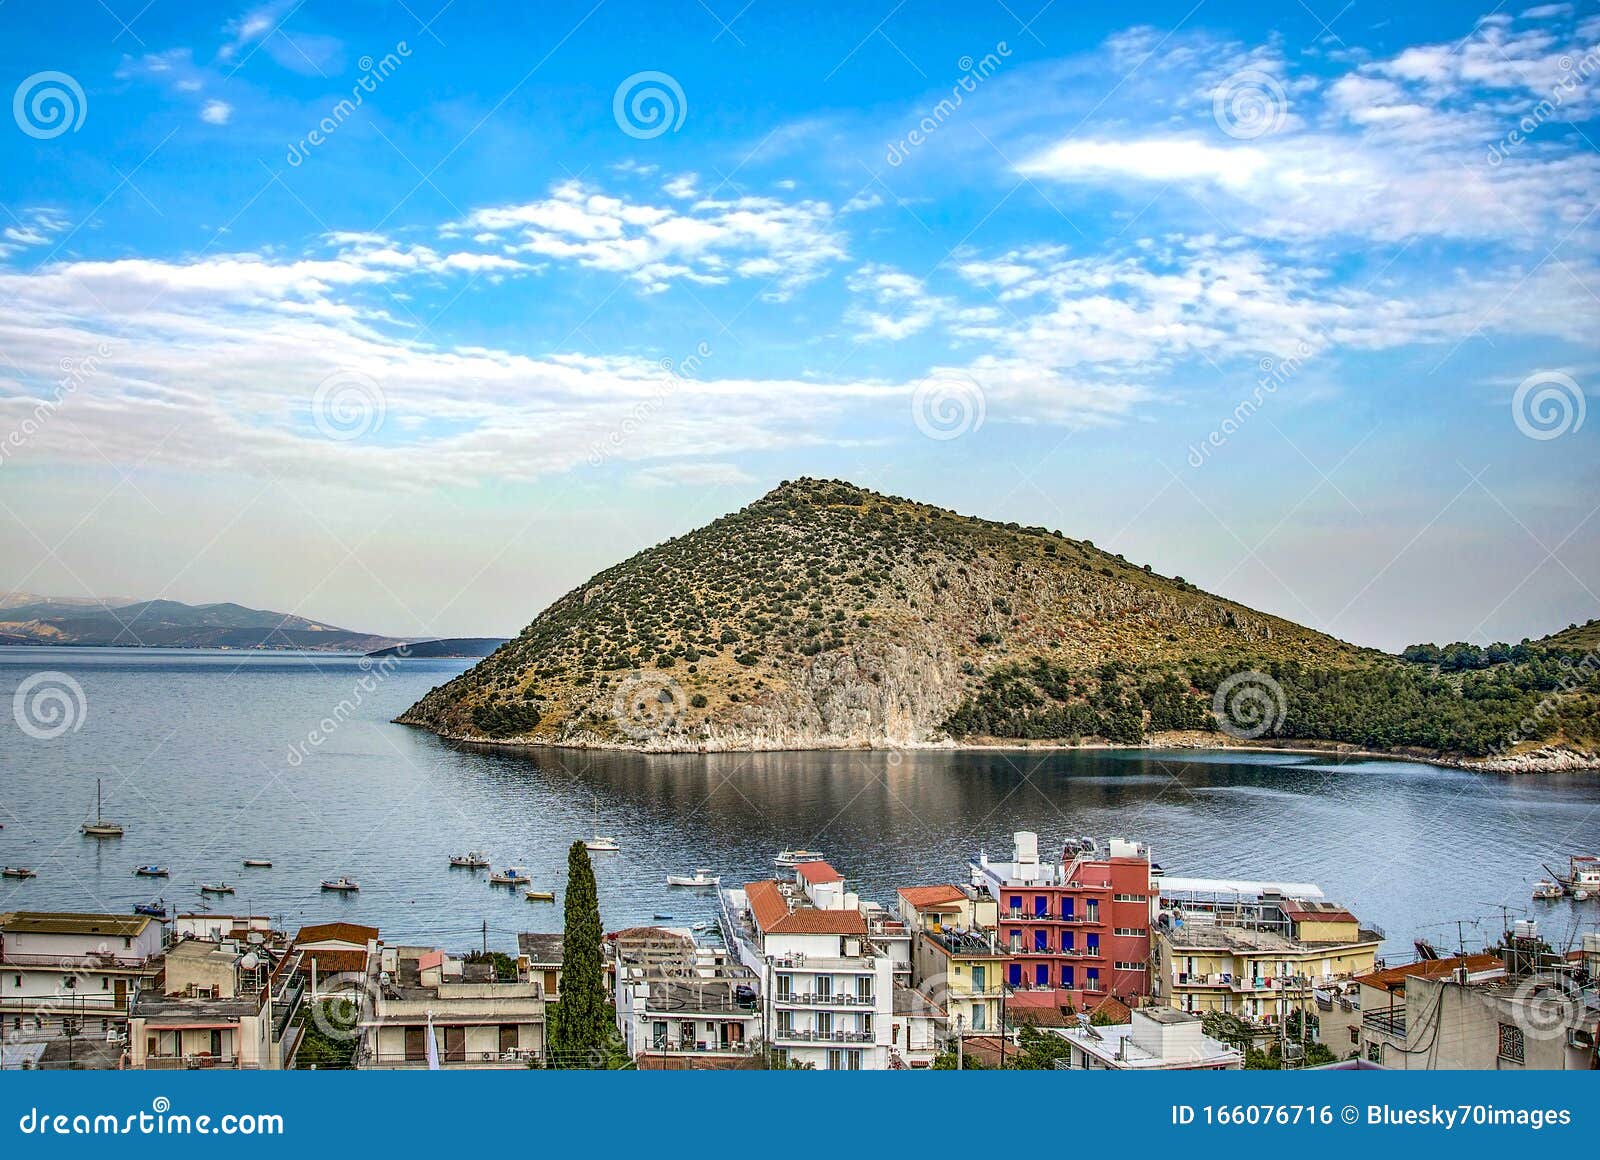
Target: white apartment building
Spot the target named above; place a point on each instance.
(59, 969)
(827, 988)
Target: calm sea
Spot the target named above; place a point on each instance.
(208, 758)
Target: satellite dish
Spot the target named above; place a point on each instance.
(251, 961)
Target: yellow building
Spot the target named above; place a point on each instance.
(1260, 963)
(955, 961)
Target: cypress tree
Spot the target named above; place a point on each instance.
(581, 1022)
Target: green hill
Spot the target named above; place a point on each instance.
(824, 615)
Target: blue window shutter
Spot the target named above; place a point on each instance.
(1041, 975)
(1016, 974)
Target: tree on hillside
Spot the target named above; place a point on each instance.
(581, 1022)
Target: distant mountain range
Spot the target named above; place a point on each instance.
(27, 619)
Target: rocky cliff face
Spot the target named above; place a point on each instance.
(827, 616)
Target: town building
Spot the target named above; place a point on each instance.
(826, 988)
(1246, 949)
(1522, 1007)
(417, 994)
(1155, 1039)
(921, 1029)
(336, 957)
(73, 974)
(956, 960)
(1078, 926)
(681, 1005)
(539, 961)
(216, 1004)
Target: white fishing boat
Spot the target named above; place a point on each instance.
(510, 876)
(600, 843)
(342, 884)
(17, 872)
(1547, 890)
(789, 859)
(101, 827)
(1582, 879)
(259, 863)
(151, 871)
(215, 888)
(471, 860)
(698, 878)
(539, 895)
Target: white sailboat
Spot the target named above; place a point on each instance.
(698, 878)
(100, 827)
(600, 843)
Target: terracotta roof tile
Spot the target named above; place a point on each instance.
(1394, 978)
(815, 872)
(334, 962)
(772, 914)
(926, 896)
(349, 932)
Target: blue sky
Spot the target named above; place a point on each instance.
(409, 317)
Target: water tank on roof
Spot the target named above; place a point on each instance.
(1526, 928)
(1027, 847)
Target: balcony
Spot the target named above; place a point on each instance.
(1068, 919)
(475, 1059)
(665, 1047)
(811, 999)
(796, 1035)
(190, 1063)
(1018, 952)
(87, 962)
(1386, 1022)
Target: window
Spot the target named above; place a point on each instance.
(16, 980)
(852, 1061)
(1068, 940)
(864, 987)
(866, 1023)
(1094, 944)
(1355, 1037)
(824, 986)
(1066, 977)
(1015, 902)
(1014, 974)
(1016, 939)
(1066, 907)
(1041, 975)
(1512, 1045)
(1129, 966)
(1132, 931)
(1129, 898)
(785, 986)
(1041, 940)
(824, 1023)
(1374, 1053)
(105, 983)
(1041, 906)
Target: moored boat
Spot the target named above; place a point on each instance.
(342, 884)
(510, 876)
(101, 827)
(215, 888)
(259, 863)
(1547, 890)
(471, 860)
(539, 895)
(789, 859)
(599, 843)
(18, 872)
(700, 877)
(151, 871)
(156, 909)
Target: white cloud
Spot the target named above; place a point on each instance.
(216, 112)
(694, 475)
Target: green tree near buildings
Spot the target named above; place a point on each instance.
(581, 1023)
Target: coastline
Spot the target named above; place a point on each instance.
(1542, 760)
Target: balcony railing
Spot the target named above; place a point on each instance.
(1069, 919)
(662, 1047)
(795, 1035)
(1386, 1022)
(89, 962)
(489, 1059)
(811, 999)
(190, 1063)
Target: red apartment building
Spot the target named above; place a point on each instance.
(1078, 925)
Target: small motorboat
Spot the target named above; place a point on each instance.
(18, 872)
(1547, 890)
(471, 860)
(510, 876)
(342, 884)
(151, 871)
(101, 827)
(789, 859)
(539, 895)
(662, 917)
(215, 888)
(601, 844)
(259, 863)
(156, 909)
(698, 878)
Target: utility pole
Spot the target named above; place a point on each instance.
(486, 938)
